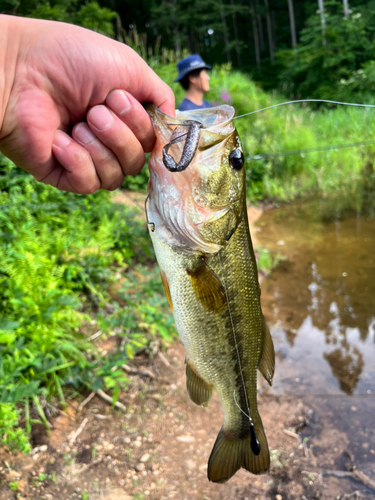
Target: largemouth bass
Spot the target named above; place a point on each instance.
(197, 218)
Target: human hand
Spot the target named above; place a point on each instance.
(70, 111)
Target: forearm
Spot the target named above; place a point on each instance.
(9, 46)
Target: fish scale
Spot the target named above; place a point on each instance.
(210, 277)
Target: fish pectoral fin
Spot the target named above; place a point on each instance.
(167, 290)
(199, 391)
(266, 364)
(207, 288)
(231, 452)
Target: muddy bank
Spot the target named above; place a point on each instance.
(159, 446)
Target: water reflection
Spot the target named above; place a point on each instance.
(346, 365)
(323, 296)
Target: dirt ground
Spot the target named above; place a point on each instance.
(157, 447)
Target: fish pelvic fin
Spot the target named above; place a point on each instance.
(166, 288)
(266, 364)
(199, 391)
(232, 452)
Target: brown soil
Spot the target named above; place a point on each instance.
(159, 446)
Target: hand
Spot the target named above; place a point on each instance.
(72, 115)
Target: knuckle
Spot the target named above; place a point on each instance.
(106, 157)
(137, 164)
(116, 184)
(91, 189)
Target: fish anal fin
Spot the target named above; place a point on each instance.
(167, 290)
(231, 453)
(199, 391)
(207, 288)
(266, 364)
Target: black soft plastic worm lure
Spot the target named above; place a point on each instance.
(191, 144)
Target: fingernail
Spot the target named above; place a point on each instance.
(118, 102)
(83, 134)
(100, 117)
(61, 140)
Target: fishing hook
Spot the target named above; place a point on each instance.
(190, 147)
(147, 220)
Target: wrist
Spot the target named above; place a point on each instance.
(9, 45)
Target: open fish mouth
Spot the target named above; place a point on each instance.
(190, 130)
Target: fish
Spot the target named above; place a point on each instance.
(197, 219)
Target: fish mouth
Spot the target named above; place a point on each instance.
(189, 131)
(211, 118)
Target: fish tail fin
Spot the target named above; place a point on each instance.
(231, 452)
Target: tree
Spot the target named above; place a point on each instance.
(322, 19)
(255, 34)
(269, 30)
(235, 28)
(225, 31)
(292, 24)
(339, 69)
(346, 7)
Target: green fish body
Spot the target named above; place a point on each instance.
(199, 228)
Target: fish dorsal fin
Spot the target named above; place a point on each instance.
(266, 364)
(207, 288)
(199, 391)
(167, 290)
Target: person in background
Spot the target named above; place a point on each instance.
(193, 76)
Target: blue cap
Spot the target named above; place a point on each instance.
(190, 63)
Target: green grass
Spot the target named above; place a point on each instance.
(61, 255)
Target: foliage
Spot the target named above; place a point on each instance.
(61, 256)
(12, 436)
(336, 63)
(266, 260)
(90, 15)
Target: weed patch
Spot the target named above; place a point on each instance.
(60, 255)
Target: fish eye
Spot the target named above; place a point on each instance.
(236, 159)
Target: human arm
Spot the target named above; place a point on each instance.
(70, 111)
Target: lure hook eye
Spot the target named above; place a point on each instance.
(236, 159)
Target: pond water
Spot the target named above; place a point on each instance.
(320, 305)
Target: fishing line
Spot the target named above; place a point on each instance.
(239, 407)
(309, 150)
(237, 351)
(149, 223)
(306, 100)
